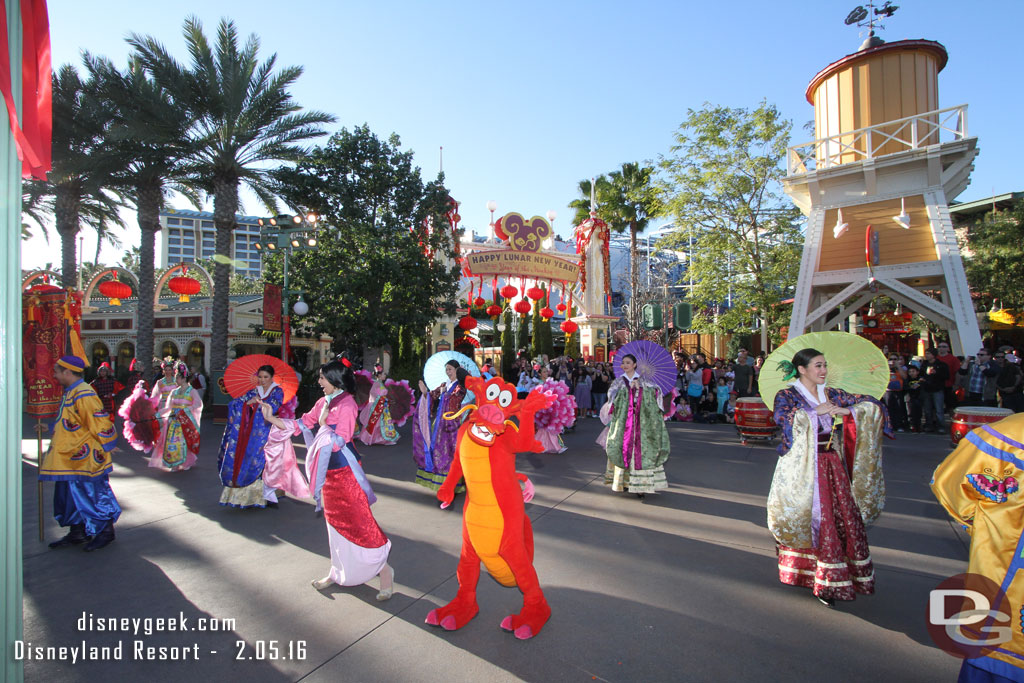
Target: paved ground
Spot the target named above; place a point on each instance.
(680, 588)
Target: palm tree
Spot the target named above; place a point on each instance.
(78, 188)
(630, 201)
(151, 143)
(581, 206)
(245, 118)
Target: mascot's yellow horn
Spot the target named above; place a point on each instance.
(456, 416)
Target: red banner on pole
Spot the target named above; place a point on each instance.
(49, 317)
(272, 307)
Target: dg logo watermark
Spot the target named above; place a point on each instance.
(968, 616)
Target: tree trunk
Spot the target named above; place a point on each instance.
(632, 260)
(66, 217)
(225, 206)
(150, 201)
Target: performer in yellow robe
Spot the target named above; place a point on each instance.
(979, 485)
(78, 462)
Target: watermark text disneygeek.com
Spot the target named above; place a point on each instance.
(140, 649)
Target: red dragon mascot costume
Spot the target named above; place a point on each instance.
(495, 528)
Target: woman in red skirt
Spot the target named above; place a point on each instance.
(828, 484)
(359, 548)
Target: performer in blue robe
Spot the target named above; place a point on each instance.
(241, 458)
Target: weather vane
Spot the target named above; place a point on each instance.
(870, 16)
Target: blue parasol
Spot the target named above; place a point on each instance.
(434, 374)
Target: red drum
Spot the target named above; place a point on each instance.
(971, 417)
(754, 420)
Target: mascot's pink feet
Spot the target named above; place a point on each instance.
(453, 616)
(527, 623)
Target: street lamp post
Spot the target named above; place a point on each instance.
(287, 234)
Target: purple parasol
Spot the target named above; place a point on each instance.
(653, 363)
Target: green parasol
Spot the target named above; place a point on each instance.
(854, 364)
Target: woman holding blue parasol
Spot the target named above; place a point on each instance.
(433, 437)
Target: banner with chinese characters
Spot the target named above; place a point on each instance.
(272, 307)
(49, 318)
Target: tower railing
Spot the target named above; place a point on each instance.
(899, 135)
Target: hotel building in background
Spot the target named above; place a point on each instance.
(189, 235)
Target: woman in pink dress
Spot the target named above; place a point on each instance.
(375, 419)
(179, 412)
(359, 548)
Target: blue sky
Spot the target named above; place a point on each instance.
(528, 98)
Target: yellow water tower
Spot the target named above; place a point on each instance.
(876, 184)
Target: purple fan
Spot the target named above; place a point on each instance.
(653, 363)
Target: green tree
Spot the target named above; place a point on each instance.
(722, 184)
(508, 348)
(543, 330)
(537, 343)
(150, 144)
(523, 336)
(78, 189)
(246, 119)
(627, 199)
(370, 272)
(994, 257)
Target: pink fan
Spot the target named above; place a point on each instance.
(141, 428)
(401, 400)
(559, 414)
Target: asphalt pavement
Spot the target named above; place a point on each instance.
(680, 587)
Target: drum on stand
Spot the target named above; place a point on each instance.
(754, 420)
(971, 417)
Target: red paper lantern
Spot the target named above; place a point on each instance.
(494, 310)
(499, 233)
(522, 307)
(535, 293)
(467, 322)
(115, 290)
(184, 287)
(569, 327)
(508, 291)
(561, 308)
(546, 313)
(479, 301)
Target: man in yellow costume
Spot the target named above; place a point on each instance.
(979, 485)
(78, 462)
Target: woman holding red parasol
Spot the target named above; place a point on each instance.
(241, 460)
(179, 413)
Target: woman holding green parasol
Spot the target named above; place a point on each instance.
(828, 484)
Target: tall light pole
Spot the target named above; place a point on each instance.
(287, 234)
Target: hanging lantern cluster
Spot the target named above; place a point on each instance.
(115, 290)
(184, 286)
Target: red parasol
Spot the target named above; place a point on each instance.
(240, 376)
